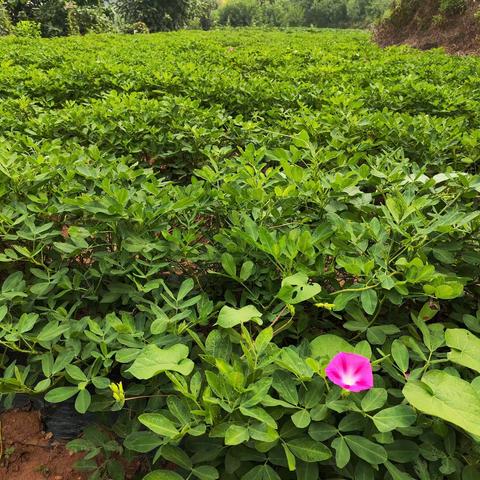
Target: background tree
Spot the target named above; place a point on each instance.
(5, 22)
(158, 15)
(326, 13)
(202, 11)
(283, 13)
(287, 13)
(239, 13)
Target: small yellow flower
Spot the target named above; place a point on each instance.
(118, 393)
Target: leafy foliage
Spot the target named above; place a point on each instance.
(192, 225)
(27, 29)
(406, 12)
(156, 14)
(5, 22)
(452, 7)
(318, 13)
(239, 13)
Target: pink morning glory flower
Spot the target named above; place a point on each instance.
(350, 371)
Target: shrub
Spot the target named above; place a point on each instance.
(94, 20)
(27, 29)
(158, 15)
(5, 22)
(201, 14)
(438, 20)
(238, 13)
(52, 16)
(476, 15)
(325, 13)
(452, 7)
(283, 13)
(137, 27)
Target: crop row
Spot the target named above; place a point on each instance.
(192, 225)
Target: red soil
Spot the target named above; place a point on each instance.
(29, 453)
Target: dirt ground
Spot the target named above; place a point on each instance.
(458, 34)
(29, 453)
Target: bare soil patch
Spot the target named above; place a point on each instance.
(457, 34)
(30, 453)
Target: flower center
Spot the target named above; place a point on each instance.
(349, 379)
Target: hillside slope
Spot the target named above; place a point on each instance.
(425, 24)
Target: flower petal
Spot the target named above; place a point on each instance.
(350, 371)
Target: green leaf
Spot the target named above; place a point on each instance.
(400, 355)
(26, 322)
(428, 311)
(322, 431)
(369, 301)
(261, 472)
(142, 442)
(448, 291)
(363, 471)
(263, 433)
(259, 414)
(66, 247)
(465, 348)
(296, 289)
(403, 451)
(163, 475)
(246, 270)
(328, 346)
(80, 445)
(83, 400)
(177, 456)
(394, 209)
(291, 459)
(447, 397)
(230, 317)
(374, 399)
(51, 331)
(284, 384)
(159, 424)
(290, 360)
(342, 455)
(228, 264)
(470, 472)
(185, 288)
(101, 382)
(257, 392)
(153, 360)
(301, 419)
(263, 339)
(42, 385)
(366, 449)
(205, 472)
(115, 469)
(396, 473)
(235, 435)
(180, 409)
(60, 394)
(75, 372)
(394, 417)
(160, 324)
(308, 450)
(307, 471)
(352, 421)
(319, 413)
